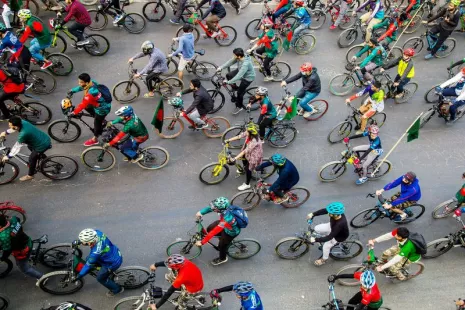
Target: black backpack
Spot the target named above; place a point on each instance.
(106, 94)
(14, 73)
(419, 242)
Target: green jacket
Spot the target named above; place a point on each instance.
(246, 69)
(35, 139)
(12, 238)
(134, 127)
(376, 55)
(460, 198)
(44, 37)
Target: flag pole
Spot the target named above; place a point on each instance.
(395, 145)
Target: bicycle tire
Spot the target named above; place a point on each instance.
(301, 44)
(337, 164)
(215, 129)
(278, 133)
(125, 277)
(7, 267)
(172, 67)
(164, 159)
(60, 276)
(57, 174)
(237, 248)
(348, 21)
(157, 7)
(416, 43)
(294, 243)
(353, 51)
(186, 248)
(426, 117)
(411, 88)
(348, 83)
(379, 174)
(14, 168)
(127, 87)
(448, 244)
(32, 111)
(372, 213)
(134, 19)
(255, 30)
(169, 87)
(58, 45)
(280, 71)
(395, 53)
(96, 17)
(12, 210)
(249, 92)
(101, 152)
(62, 64)
(451, 43)
(212, 169)
(318, 18)
(378, 119)
(205, 67)
(449, 211)
(4, 302)
(350, 34)
(249, 198)
(422, 267)
(265, 173)
(216, 94)
(321, 107)
(294, 197)
(414, 25)
(89, 2)
(53, 130)
(233, 132)
(195, 32)
(408, 210)
(38, 80)
(130, 301)
(227, 38)
(349, 282)
(431, 96)
(93, 48)
(61, 257)
(171, 122)
(342, 130)
(349, 243)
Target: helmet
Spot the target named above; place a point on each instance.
(306, 67)
(299, 3)
(24, 14)
(463, 70)
(175, 261)
(411, 176)
(261, 91)
(373, 129)
(462, 191)
(220, 203)
(410, 52)
(2, 27)
(267, 22)
(66, 104)
(176, 102)
(252, 128)
(278, 159)
(147, 47)
(454, 2)
(367, 279)
(88, 235)
(65, 306)
(125, 111)
(336, 208)
(243, 289)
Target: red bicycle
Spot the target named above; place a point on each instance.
(319, 16)
(281, 25)
(9, 209)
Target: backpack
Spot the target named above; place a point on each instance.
(106, 94)
(419, 242)
(240, 215)
(14, 73)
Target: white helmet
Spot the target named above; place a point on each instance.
(147, 47)
(65, 306)
(88, 235)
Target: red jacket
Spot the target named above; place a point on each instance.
(8, 85)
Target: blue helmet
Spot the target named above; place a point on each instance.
(125, 111)
(278, 159)
(367, 279)
(336, 208)
(243, 289)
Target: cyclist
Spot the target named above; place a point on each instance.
(13, 240)
(10, 8)
(343, 8)
(201, 106)
(288, 176)
(451, 17)
(156, 66)
(251, 153)
(185, 48)
(403, 253)
(33, 26)
(405, 70)
(178, 12)
(371, 151)
(311, 87)
(460, 303)
(303, 19)
(36, 141)
(335, 231)
(183, 273)
(68, 305)
(374, 16)
(282, 7)
(245, 291)
(267, 46)
(376, 55)
(245, 73)
(457, 90)
(93, 102)
(218, 12)
(413, 5)
(225, 228)
(135, 128)
(391, 24)
(369, 296)
(268, 112)
(81, 17)
(409, 193)
(455, 64)
(12, 87)
(118, 15)
(373, 104)
(103, 253)
(21, 55)
(460, 195)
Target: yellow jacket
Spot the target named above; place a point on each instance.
(403, 65)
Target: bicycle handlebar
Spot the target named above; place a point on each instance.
(381, 199)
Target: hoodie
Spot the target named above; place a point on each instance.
(246, 69)
(186, 46)
(408, 192)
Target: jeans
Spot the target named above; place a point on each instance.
(35, 48)
(454, 107)
(266, 61)
(103, 278)
(325, 229)
(366, 71)
(196, 118)
(342, 12)
(368, 160)
(179, 9)
(297, 32)
(278, 13)
(130, 146)
(443, 35)
(400, 87)
(225, 240)
(357, 299)
(304, 102)
(77, 30)
(3, 97)
(27, 269)
(241, 89)
(450, 92)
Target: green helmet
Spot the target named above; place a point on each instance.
(278, 159)
(455, 2)
(220, 203)
(176, 102)
(2, 27)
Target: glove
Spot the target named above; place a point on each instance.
(69, 94)
(5, 158)
(76, 243)
(438, 89)
(214, 294)
(354, 58)
(219, 69)
(331, 278)
(170, 55)
(109, 124)
(249, 51)
(106, 145)
(312, 240)
(457, 212)
(346, 140)
(310, 216)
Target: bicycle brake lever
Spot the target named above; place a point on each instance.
(371, 195)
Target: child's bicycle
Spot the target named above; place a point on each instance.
(418, 43)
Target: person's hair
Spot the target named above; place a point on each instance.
(187, 27)
(3, 220)
(239, 52)
(84, 77)
(16, 121)
(403, 232)
(377, 84)
(196, 83)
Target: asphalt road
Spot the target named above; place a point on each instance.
(144, 211)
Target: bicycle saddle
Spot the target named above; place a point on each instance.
(201, 52)
(42, 240)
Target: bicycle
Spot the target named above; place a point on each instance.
(55, 167)
(298, 246)
(319, 16)
(128, 90)
(335, 169)
(389, 89)
(174, 125)
(445, 209)
(442, 245)
(132, 22)
(343, 130)
(238, 249)
(280, 70)
(281, 25)
(39, 81)
(369, 216)
(98, 158)
(55, 257)
(251, 198)
(34, 112)
(442, 108)
(64, 282)
(343, 83)
(348, 36)
(4, 302)
(9, 209)
(217, 172)
(417, 43)
(155, 11)
(392, 53)
(431, 95)
(319, 105)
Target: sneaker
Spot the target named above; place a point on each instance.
(361, 181)
(428, 56)
(301, 112)
(218, 261)
(237, 110)
(308, 114)
(126, 159)
(238, 10)
(173, 21)
(91, 142)
(135, 160)
(46, 64)
(203, 126)
(118, 19)
(81, 43)
(26, 178)
(111, 294)
(76, 46)
(268, 78)
(280, 200)
(332, 27)
(214, 34)
(399, 95)
(403, 216)
(243, 187)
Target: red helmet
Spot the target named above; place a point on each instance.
(463, 72)
(410, 52)
(175, 261)
(462, 191)
(299, 3)
(306, 67)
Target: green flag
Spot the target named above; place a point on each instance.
(291, 110)
(414, 130)
(157, 120)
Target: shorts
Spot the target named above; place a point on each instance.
(183, 63)
(403, 205)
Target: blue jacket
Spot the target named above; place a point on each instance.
(288, 176)
(252, 303)
(303, 16)
(10, 41)
(102, 253)
(408, 192)
(186, 46)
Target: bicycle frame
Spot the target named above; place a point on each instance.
(104, 9)
(218, 81)
(191, 63)
(205, 28)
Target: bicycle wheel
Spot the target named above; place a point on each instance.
(154, 11)
(395, 53)
(431, 96)
(281, 136)
(8, 172)
(413, 212)
(348, 21)
(243, 249)
(131, 277)
(318, 19)
(365, 218)
(320, 106)
(426, 117)
(172, 127)
(62, 64)
(246, 200)
(445, 209)
(59, 283)
(98, 19)
(349, 269)
(346, 250)
(204, 70)
(304, 44)
(383, 170)
(155, 158)
(216, 127)
(347, 37)
(36, 113)
(378, 119)
(134, 23)
(126, 91)
(12, 210)
(213, 174)
(413, 270)
(291, 248)
(414, 25)
(186, 248)
(250, 92)
(4, 302)
(169, 87)
(58, 167)
(227, 36)
(297, 197)
(353, 51)
(64, 131)
(416, 43)
(5, 267)
(58, 45)
(252, 30)
(218, 100)
(130, 303)
(40, 82)
(96, 158)
(332, 171)
(438, 247)
(280, 71)
(33, 6)
(89, 2)
(446, 49)
(172, 67)
(98, 45)
(234, 132)
(58, 255)
(338, 133)
(265, 173)
(409, 90)
(341, 84)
